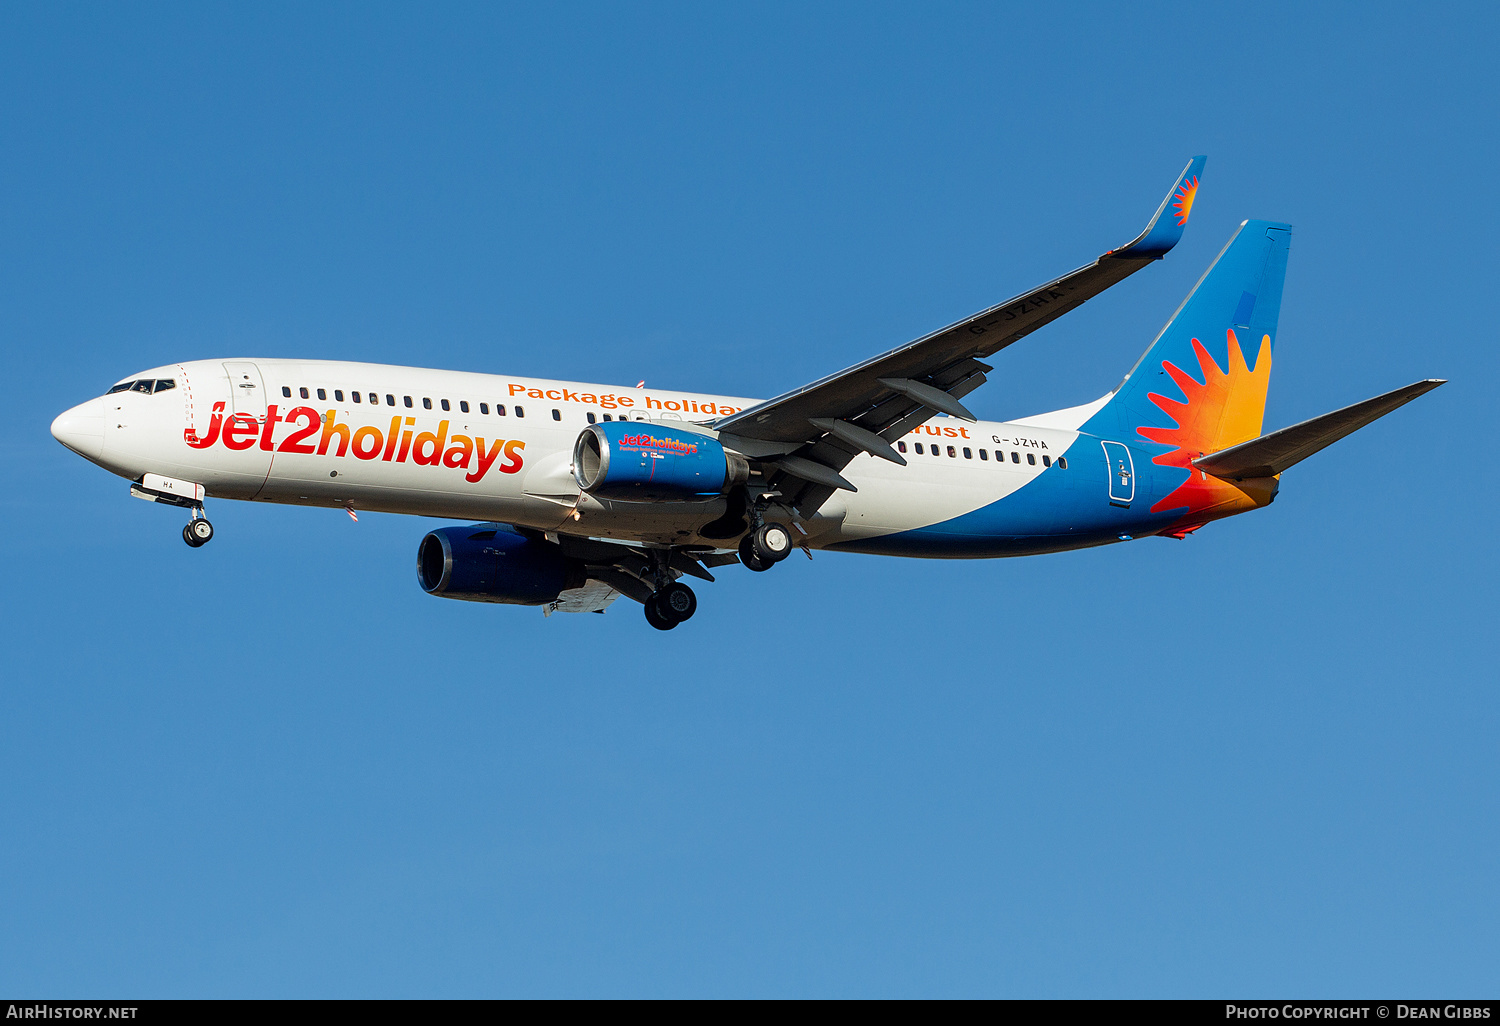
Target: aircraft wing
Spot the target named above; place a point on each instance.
(875, 402)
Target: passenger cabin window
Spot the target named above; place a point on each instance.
(463, 405)
(1031, 458)
(590, 417)
(1062, 461)
(390, 400)
(444, 404)
(918, 446)
(499, 410)
(302, 392)
(983, 454)
(937, 450)
(952, 453)
(426, 403)
(484, 408)
(1046, 461)
(520, 412)
(1015, 457)
(356, 396)
(900, 446)
(286, 391)
(968, 453)
(338, 395)
(407, 400)
(556, 414)
(323, 394)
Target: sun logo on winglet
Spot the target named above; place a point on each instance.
(1182, 200)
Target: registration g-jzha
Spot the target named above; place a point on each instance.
(576, 494)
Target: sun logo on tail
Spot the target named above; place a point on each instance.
(1225, 409)
(1182, 199)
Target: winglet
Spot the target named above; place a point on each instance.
(1171, 217)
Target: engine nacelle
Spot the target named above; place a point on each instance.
(494, 563)
(650, 462)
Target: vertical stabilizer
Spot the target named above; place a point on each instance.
(1201, 387)
(1202, 383)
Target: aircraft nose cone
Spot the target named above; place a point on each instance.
(82, 429)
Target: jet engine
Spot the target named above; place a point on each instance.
(651, 462)
(494, 563)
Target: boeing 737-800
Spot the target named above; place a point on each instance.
(580, 493)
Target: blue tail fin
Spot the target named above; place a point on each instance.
(1230, 319)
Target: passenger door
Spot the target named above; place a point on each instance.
(244, 471)
(246, 389)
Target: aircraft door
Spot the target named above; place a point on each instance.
(247, 392)
(243, 469)
(1121, 470)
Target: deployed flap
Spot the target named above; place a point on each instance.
(858, 395)
(1270, 454)
(593, 597)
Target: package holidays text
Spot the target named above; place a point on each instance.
(624, 402)
(396, 444)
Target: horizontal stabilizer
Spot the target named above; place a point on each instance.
(1270, 454)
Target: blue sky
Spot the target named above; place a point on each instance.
(1260, 762)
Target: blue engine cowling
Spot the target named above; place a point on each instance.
(652, 462)
(494, 563)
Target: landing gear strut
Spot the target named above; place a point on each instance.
(198, 531)
(671, 606)
(765, 546)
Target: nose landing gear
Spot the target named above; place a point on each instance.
(185, 494)
(198, 531)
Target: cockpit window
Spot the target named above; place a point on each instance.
(146, 385)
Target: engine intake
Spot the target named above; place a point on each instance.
(650, 462)
(494, 563)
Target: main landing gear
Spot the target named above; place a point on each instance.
(673, 602)
(670, 606)
(198, 531)
(765, 546)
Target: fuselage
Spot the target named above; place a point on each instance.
(486, 447)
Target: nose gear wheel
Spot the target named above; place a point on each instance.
(197, 532)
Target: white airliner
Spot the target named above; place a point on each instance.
(580, 493)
